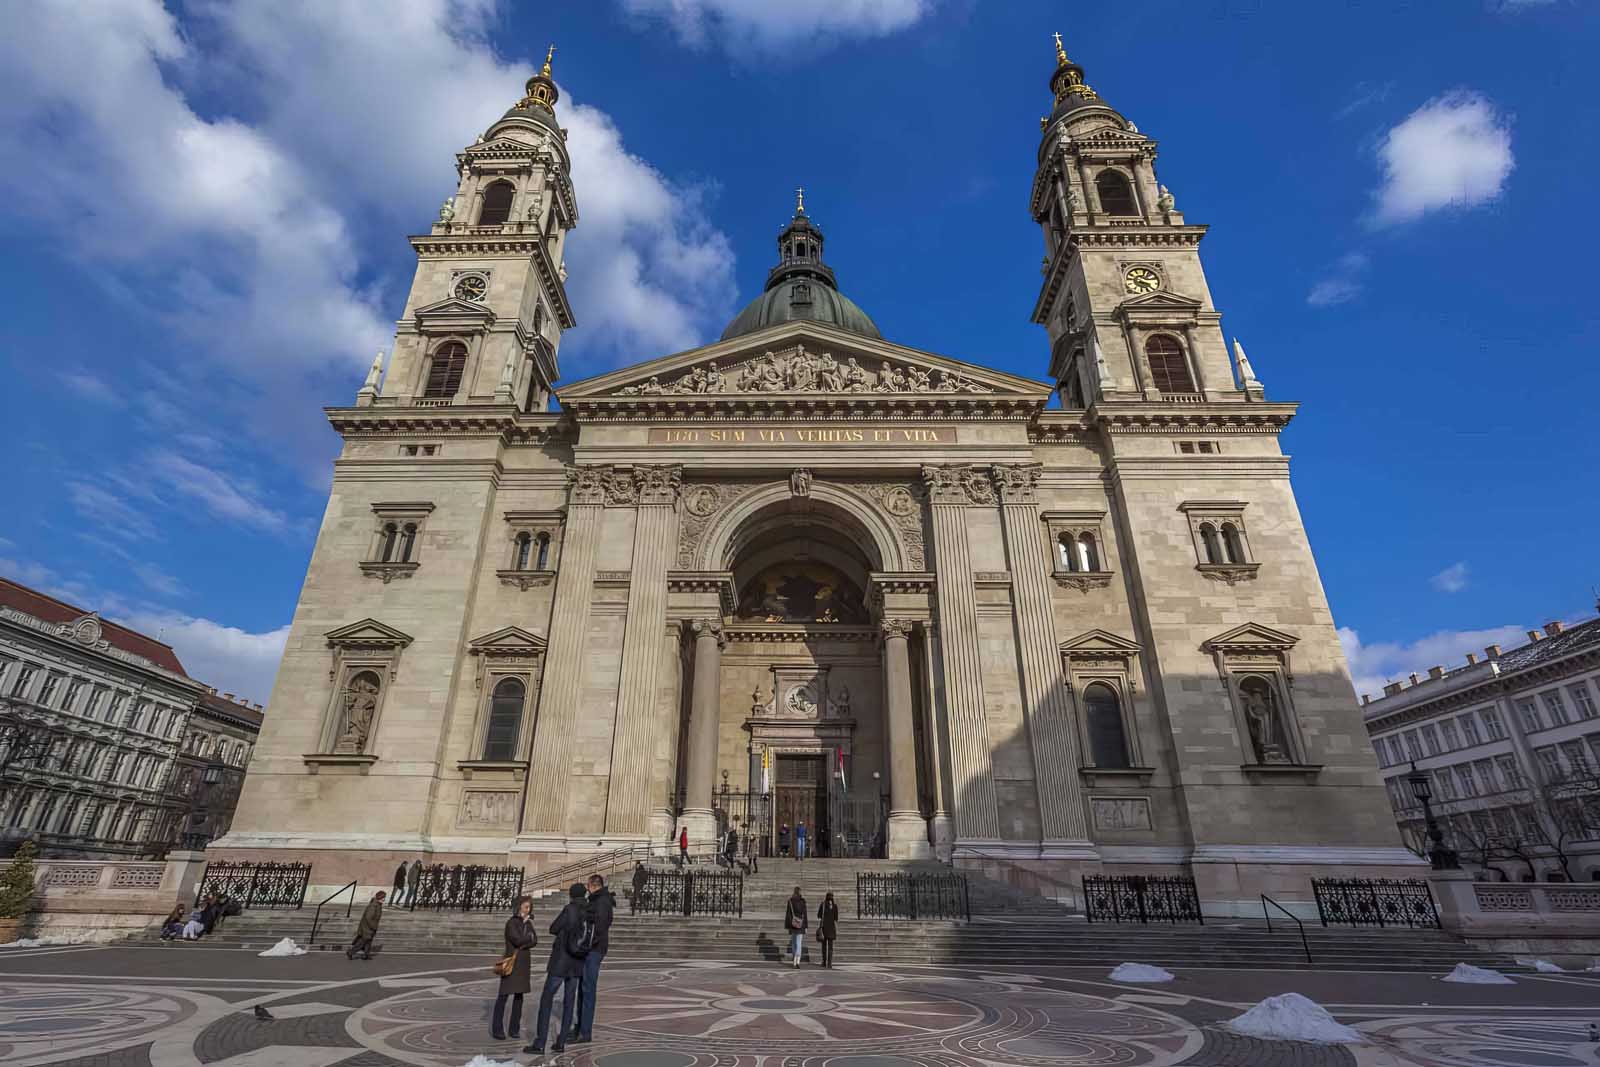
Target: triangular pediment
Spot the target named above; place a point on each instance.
(499, 146)
(508, 641)
(453, 308)
(1160, 300)
(368, 632)
(1099, 642)
(803, 359)
(1251, 635)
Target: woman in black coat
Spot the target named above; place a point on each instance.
(828, 930)
(795, 919)
(520, 937)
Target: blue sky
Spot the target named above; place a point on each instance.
(204, 206)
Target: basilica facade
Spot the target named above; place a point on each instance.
(805, 573)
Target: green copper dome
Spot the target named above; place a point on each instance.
(801, 287)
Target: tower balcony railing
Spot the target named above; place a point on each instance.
(432, 401)
(1184, 398)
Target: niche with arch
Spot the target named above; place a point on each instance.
(1102, 672)
(366, 657)
(509, 672)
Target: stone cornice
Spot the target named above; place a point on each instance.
(452, 420)
(744, 407)
(1490, 688)
(789, 633)
(1210, 418)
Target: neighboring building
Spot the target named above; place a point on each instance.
(217, 742)
(93, 720)
(1511, 745)
(934, 614)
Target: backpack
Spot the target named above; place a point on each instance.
(578, 938)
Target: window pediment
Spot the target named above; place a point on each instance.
(368, 633)
(453, 311)
(1251, 637)
(508, 641)
(1099, 644)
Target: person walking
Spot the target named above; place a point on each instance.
(520, 938)
(783, 839)
(602, 906)
(683, 846)
(730, 848)
(800, 840)
(794, 920)
(827, 927)
(367, 929)
(413, 880)
(572, 932)
(400, 884)
(641, 878)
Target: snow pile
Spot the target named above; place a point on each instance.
(1543, 966)
(484, 1061)
(1292, 1017)
(1467, 974)
(1139, 972)
(47, 942)
(286, 947)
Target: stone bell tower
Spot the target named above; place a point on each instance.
(1124, 296)
(489, 302)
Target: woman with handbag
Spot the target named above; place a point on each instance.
(794, 920)
(515, 971)
(827, 928)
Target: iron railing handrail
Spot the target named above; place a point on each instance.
(316, 920)
(1304, 944)
(1070, 890)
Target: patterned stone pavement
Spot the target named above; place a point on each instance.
(187, 1006)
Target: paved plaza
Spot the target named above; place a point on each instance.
(184, 1005)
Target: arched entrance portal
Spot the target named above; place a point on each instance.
(807, 715)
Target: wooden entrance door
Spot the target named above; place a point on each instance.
(802, 796)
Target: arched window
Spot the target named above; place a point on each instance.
(1213, 543)
(445, 371)
(1108, 743)
(391, 533)
(543, 562)
(1088, 554)
(1116, 193)
(505, 720)
(497, 204)
(1232, 543)
(1169, 371)
(524, 552)
(1069, 552)
(408, 542)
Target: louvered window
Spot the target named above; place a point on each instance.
(445, 371)
(1169, 371)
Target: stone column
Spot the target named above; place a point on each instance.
(633, 741)
(1202, 381)
(663, 775)
(1051, 730)
(705, 713)
(943, 827)
(972, 772)
(908, 831)
(544, 813)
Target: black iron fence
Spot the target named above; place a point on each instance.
(1375, 902)
(256, 885)
(1140, 899)
(912, 896)
(465, 888)
(708, 892)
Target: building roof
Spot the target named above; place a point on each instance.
(1549, 648)
(801, 286)
(49, 609)
(224, 706)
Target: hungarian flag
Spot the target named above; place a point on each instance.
(766, 776)
(843, 784)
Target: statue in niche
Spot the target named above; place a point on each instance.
(758, 707)
(841, 703)
(360, 707)
(447, 210)
(800, 482)
(1266, 728)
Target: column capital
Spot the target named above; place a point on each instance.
(896, 628)
(1016, 483)
(708, 628)
(600, 484)
(658, 484)
(958, 484)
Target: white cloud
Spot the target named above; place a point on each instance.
(226, 496)
(110, 513)
(1343, 282)
(233, 660)
(1452, 579)
(93, 388)
(769, 23)
(1372, 666)
(157, 580)
(1454, 151)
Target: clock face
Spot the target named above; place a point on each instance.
(472, 287)
(1141, 280)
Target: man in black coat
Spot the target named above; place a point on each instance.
(602, 905)
(567, 950)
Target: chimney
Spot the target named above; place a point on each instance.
(1491, 652)
(211, 689)
(1391, 689)
(1472, 657)
(227, 696)
(1414, 678)
(1535, 635)
(1366, 698)
(1435, 672)
(1551, 629)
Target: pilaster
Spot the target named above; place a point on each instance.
(1044, 698)
(977, 815)
(704, 716)
(908, 831)
(669, 689)
(654, 540)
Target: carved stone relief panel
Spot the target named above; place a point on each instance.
(1120, 813)
(703, 502)
(487, 809)
(795, 370)
(900, 503)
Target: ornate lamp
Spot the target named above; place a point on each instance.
(1443, 859)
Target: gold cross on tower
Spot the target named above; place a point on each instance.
(800, 201)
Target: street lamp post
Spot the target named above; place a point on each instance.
(199, 832)
(1443, 859)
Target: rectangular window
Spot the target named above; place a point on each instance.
(1447, 730)
(1381, 747)
(1594, 747)
(1413, 745)
(1577, 762)
(1446, 788)
(1528, 715)
(24, 680)
(1485, 772)
(1504, 823)
(1469, 728)
(92, 709)
(1549, 764)
(1528, 823)
(1510, 773)
(74, 687)
(1430, 737)
(1469, 787)
(47, 691)
(135, 714)
(1492, 724)
(1581, 700)
(1555, 706)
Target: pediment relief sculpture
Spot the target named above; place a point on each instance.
(800, 371)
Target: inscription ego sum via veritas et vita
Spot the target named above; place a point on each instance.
(757, 436)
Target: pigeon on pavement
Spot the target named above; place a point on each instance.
(263, 1014)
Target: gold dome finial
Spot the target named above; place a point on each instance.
(800, 201)
(1061, 51)
(548, 56)
(541, 90)
(1067, 79)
